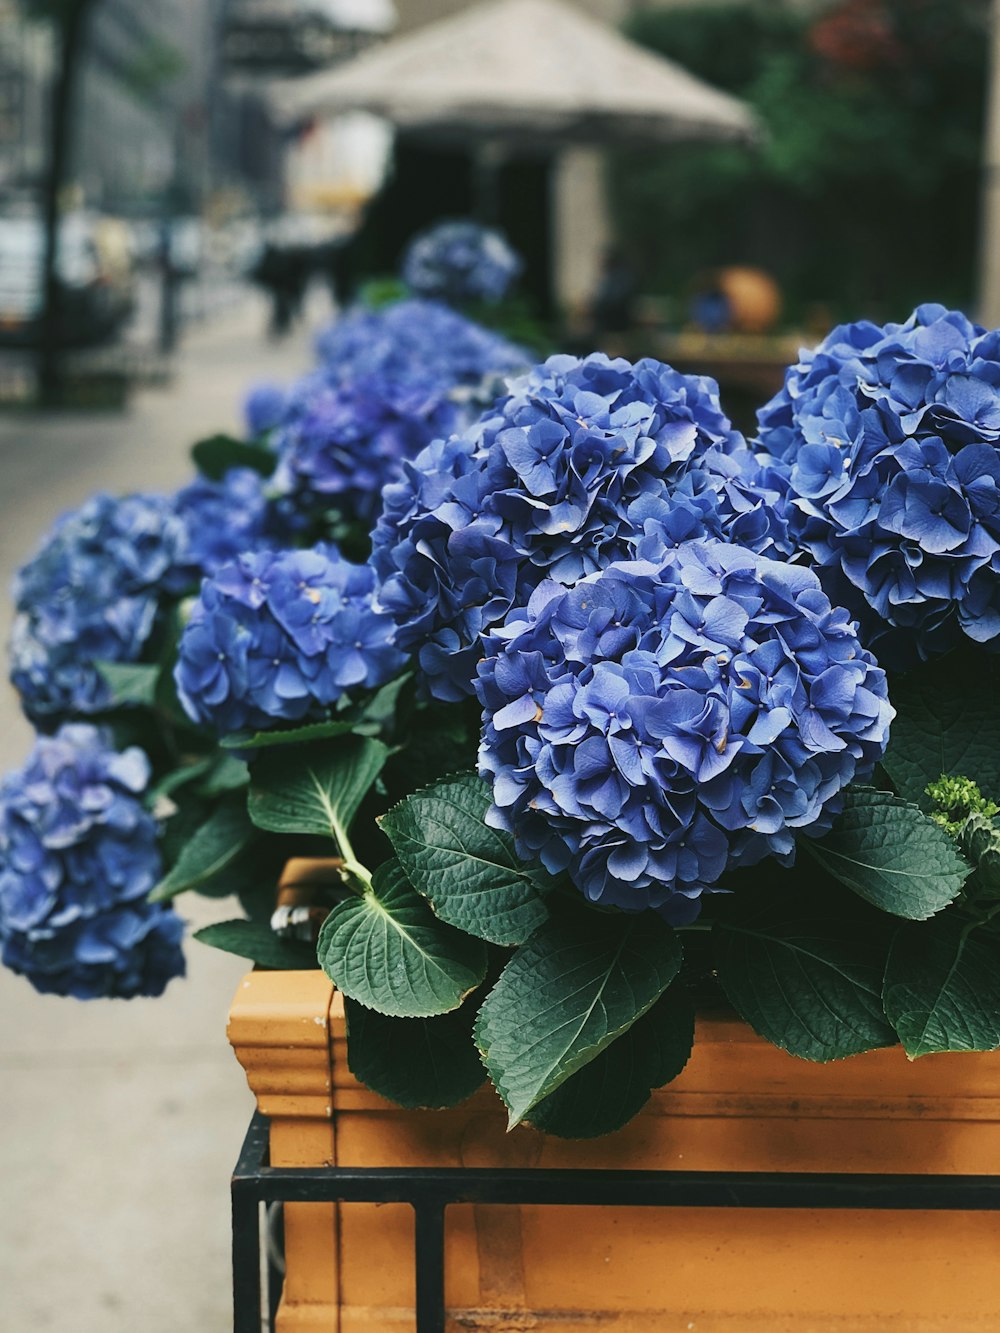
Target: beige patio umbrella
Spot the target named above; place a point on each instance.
(522, 71)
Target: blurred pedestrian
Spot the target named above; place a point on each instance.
(169, 283)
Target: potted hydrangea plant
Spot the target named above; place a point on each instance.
(621, 716)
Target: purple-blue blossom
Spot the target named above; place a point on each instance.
(461, 262)
(421, 340)
(585, 462)
(888, 440)
(263, 409)
(278, 637)
(90, 594)
(339, 445)
(659, 724)
(78, 857)
(223, 519)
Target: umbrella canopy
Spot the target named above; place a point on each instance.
(528, 70)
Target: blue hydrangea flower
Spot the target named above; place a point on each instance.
(91, 594)
(263, 409)
(658, 724)
(280, 637)
(339, 445)
(78, 855)
(460, 263)
(422, 340)
(888, 441)
(586, 462)
(222, 519)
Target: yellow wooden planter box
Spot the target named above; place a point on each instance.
(739, 1105)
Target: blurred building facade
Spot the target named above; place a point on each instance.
(156, 127)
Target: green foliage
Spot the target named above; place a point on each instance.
(386, 950)
(863, 191)
(214, 456)
(979, 839)
(255, 940)
(269, 740)
(891, 854)
(315, 789)
(955, 800)
(132, 684)
(467, 871)
(947, 722)
(942, 986)
(803, 963)
(414, 1062)
(209, 851)
(606, 1093)
(576, 985)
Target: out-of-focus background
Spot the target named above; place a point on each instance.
(190, 188)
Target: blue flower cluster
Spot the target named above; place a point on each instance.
(888, 439)
(339, 445)
(263, 409)
(91, 594)
(421, 340)
(78, 855)
(461, 263)
(656, 725)
(224, 519)
(280, 637)
(586, 462)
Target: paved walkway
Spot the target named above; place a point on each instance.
(120, 1122)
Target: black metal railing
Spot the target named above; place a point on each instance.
(430, 1191)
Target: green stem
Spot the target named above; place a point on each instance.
(352, 868)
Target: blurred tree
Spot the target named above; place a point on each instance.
(69, 19)
(863, 194)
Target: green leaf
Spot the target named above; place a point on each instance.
(576, 985)
(268, 740)
(947, 723)
(942, 987)
(890, 854)
(215, 456)
(208, 852)
(226, 774)
(387, 950)
(315, 791)
(466, 870)
(414, 1062)
(803, 965)
(132, 684)
(256, 941)
(180, 777)
(979, 839)
(605, 1094)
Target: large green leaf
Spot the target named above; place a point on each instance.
(131, 684)
(608, 1092)
(942, 986)
(466, 870)
(947, 723)
(209, 851)
(415, 1062)
(804, 965)
(387, 950)
(268, 740)
(567, 993)
(215, 456)
(889, 853)
(256, 941)
(315, 790)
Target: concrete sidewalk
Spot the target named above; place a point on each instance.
(120, 1122)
